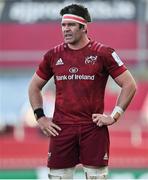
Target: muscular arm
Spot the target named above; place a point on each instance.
(128, 89)
(36, 101)
(35, 89)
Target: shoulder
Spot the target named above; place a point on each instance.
(59, 48)
(100, 48)
(55, 50)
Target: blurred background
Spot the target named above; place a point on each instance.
(28, 28)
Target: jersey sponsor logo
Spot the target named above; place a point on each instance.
(90, 59)
(59, 62)
(117, 59)
(75, 77)
(73, 70)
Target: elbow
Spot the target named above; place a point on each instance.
(33, 88)
(29, 89)
(133, 87)
(30, 86)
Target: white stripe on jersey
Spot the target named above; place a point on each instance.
(117, 59)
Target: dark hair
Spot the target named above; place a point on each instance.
(78, 10)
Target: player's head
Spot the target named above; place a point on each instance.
(78, 10)
(74, 22)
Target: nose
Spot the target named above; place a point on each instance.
(66, 28)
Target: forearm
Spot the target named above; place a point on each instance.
(126, 95)
(128, 89)
(123, 101)
(35, 97)
(34, 91)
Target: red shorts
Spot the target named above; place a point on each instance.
(87, 144)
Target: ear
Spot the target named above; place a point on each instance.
(85, 28)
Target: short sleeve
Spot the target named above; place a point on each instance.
(44, 70)
(112, 63)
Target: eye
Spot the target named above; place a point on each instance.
(72, 24)
(63, 24)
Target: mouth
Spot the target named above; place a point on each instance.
(68, 36)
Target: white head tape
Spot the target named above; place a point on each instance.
(74, 18)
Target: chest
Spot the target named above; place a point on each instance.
(77, 63)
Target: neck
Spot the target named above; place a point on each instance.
(80, 44)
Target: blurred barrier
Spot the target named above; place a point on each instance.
(41, 173)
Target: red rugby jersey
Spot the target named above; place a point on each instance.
(80, 78)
